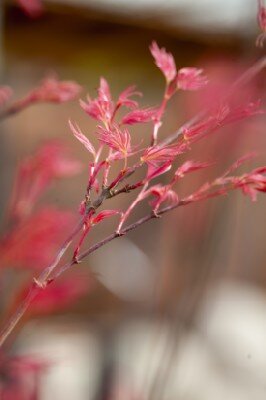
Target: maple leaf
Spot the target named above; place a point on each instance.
(164, 61)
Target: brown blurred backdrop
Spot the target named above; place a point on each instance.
(161, 271)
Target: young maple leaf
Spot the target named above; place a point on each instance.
(52, 90)
(222, 116)
(252, 182)
(102, 107)
(82, 138)
(33, 8)
(33, 243)
(164, 61)
(241, 112)
(103, 215)
(157, 155)
(191, 79)
(104, 93)
(262, 23)
(190, 166)
(90, 221)
(117, 139)
(200, 129)
(124, 98)
(239, 162)
(139, 116)
(36, 173)
(162, 194)
(154, 171)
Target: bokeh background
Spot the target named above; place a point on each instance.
(177, 309)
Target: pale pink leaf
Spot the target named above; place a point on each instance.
(103, 215)
(191, 79)
(164, 61)
(82, 138)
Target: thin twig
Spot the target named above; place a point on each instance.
(16, 108)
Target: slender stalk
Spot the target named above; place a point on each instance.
(11, 324)
(44, 276)
(158, 121)
(126, 214)
(16, 107)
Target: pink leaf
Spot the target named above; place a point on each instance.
(164, 61)
(55, 91)
(139, 116)
(190, 79)
(239, 162)
(103, 215)
(82, 138)
(33, 8)
(104, 93)
(34, 242)
(125, 100)
(37, 172)
(117, 139)
(162, 194)
(157, 155)
(262, 23)
(102, 107)
(154, 172)
(92, 108)
(190, 166)
(243, 111)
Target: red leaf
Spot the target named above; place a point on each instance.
(262, 23)
(117, 139)
(190, 166)
(55, 91)
(60, 294)
(191, 79)
(82, 138)
(139, 116)
(34, 242)
(36, 173)
(124, 98)
(103, 215)
(157, 155)
(164, 61)
(33, 8)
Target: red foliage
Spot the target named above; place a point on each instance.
(58, 295)
(33, 243)
(37, 173)
(52, 90)
(33, 8)
(262, 23)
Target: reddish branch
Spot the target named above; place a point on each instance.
(158, 158)
(39, 285)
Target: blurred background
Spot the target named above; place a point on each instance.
(179, 309)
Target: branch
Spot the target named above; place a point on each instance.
(49, 275)
(15, 108)
(38, 285)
